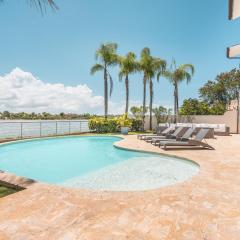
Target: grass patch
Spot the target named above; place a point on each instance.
(4, 191)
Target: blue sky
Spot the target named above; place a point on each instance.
(60, 47)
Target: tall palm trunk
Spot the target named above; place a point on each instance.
(105, 93)
(144, 99)
(238, 111)
(127, 94)
(151, 103)
(177, 106)
(175, 102)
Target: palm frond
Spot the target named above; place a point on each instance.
(169, 75)
(178, 74)
(128, 64)
(145, 59)
(107, 53)
(188, 77)
(42, 4)
(173, 65)
(159, 67)
(187, 71)
(96, 68)
(120, 76)
(160, 74)
(145, 52)
(188, 67)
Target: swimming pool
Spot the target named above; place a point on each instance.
(92, 162)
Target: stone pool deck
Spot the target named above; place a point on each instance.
(206, 207)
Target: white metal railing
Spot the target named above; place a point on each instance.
(37, 128)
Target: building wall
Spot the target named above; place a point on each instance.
(229, 118)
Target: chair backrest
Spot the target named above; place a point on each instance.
(168, 130)
(188, 133)
(210, 132)
(177, 131)
(202, 134)
(160, 129)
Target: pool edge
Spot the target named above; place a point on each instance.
(24, 182)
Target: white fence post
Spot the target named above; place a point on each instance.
(21, 130)
(40, 128)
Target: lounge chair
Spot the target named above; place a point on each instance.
(163, 133)
(185, 137)
(159, 130)
(179, 132)
(197, 141)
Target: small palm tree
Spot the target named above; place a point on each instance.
(107, 56)
(128, 65)
(162, 114)
(177, 75)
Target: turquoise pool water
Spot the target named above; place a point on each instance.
(59, 160)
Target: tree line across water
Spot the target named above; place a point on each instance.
(6, 115)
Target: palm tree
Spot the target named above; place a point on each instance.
(177, 75)
(162, 114)
(107, 56)
(150, 67)
(144, 67)
(128, 65)
(157, 67)
(42, 4)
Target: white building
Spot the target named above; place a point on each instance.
(234, 12)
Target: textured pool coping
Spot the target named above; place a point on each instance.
(203, 207)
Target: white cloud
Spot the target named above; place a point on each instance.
(21, 91)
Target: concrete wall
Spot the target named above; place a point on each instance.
(229, 118)
(154, 123)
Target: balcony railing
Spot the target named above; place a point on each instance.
(35, 128)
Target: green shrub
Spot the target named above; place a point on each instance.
(109, 125)
(198, 107)
(136, 125)
(124, 121)
(102, 125)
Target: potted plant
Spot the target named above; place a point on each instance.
(125, 123)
